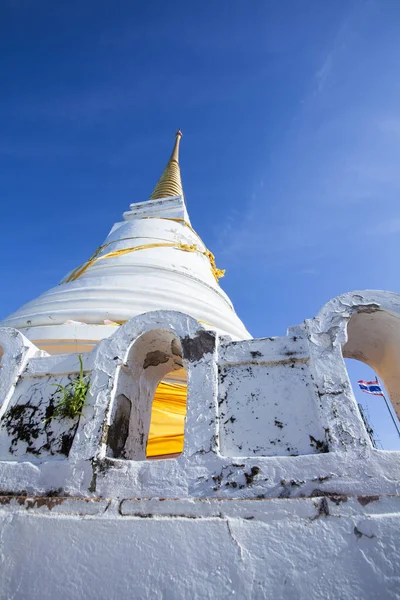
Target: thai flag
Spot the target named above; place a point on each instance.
(370, 387)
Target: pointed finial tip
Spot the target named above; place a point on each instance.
(170, 183)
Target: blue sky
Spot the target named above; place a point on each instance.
(290, 157)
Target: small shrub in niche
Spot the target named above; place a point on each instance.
(73, 396)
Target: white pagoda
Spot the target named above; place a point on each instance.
(150, 448)
(152, 260)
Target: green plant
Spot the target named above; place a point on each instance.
(73, 396)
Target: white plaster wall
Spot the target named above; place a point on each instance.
(208, 525)
(26, 433)
(305, 549)
(206, 468)
(15, 352)
(267, 401)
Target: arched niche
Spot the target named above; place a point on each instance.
(147, 399)
(373, 337)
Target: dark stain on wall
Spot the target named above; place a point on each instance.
(195, 348)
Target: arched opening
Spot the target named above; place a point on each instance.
(149, 414)
(374, 340)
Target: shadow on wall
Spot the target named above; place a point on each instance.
(148, 416)
(374, 339)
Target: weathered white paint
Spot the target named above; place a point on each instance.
(15, 351)
(306, 548)
(119, 288)
(219, 520)
(267, 400)
(27, 431)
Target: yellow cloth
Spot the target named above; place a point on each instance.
(167, 419)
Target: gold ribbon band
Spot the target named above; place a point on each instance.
(76, 273)
(218, 273)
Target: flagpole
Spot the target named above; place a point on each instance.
(388, 407)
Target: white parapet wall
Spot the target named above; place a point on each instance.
(279, 492)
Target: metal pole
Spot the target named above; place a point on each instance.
(390, 412)
(388, 407)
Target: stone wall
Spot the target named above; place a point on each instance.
(278, 492)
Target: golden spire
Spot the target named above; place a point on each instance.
(170, 183)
